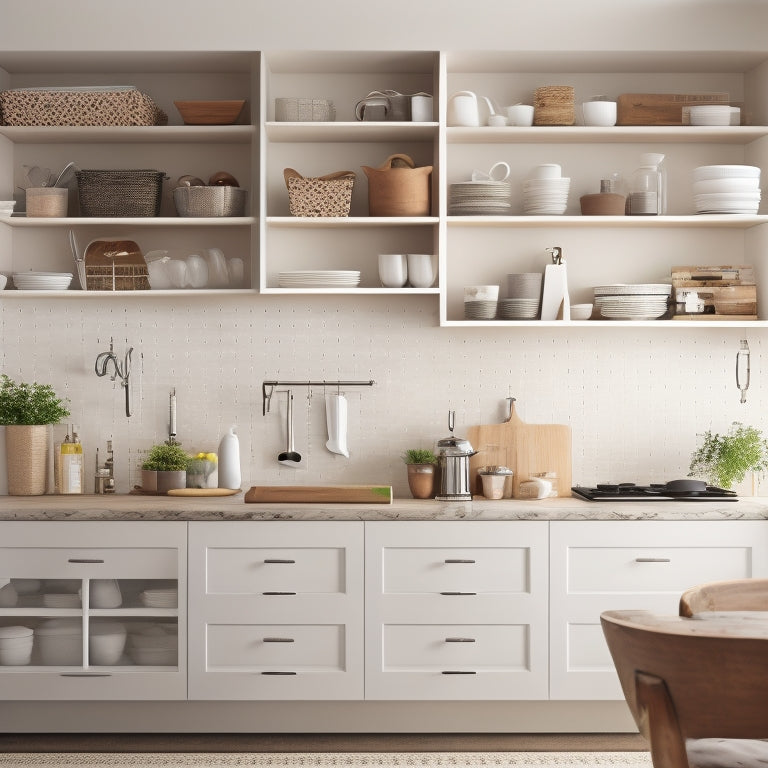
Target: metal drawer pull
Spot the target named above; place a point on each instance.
(278, 593)
(653, 560)
(458, 593)
(460, 640)
(457, 672)
(83, 560)
(273, 560)
(85, 674)
(455, 560)
(279, 640)
(278, 673)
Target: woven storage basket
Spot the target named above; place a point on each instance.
(329, 195)
(119, 193)
(88, 106)
(304, 110)
(398, 188)
(210, 201)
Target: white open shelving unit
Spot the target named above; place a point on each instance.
(471, 249)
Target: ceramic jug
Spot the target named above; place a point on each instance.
(463, 109)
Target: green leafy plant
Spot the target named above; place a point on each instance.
(419, 456)
(22, 403)
(723, 460)
(166, 458)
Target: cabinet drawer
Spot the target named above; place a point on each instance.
(456, 647)
(89, 563)
(486, 569)
(275, 648)
(274, 570)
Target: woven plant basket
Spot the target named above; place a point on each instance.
(120, 192)
(329, 195)
(26, 448)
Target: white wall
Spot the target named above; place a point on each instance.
(636, 398)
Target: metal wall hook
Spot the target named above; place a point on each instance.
(122, 372)
(268, 388)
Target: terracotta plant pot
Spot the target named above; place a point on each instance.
(26, 448)
(421, 480)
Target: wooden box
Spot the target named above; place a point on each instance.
(728, 292)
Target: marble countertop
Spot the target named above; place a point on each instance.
(135, 507)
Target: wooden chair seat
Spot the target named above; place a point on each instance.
(697, 688)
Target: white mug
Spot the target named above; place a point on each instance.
(520, 114)
(421, 108)
(421, 270)
(393, 270)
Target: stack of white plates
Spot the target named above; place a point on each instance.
(726, 188)
(482, 309)
(155, 644)
(546, 196)
(61, 600)
(319, 278)
(42, 281)
(644, 301)
(478, 198)
(159, 598)
(518, 309)
(714, 114)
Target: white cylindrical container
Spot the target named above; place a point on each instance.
(229, 461)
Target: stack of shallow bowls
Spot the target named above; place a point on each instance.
(726, 188)
(15, 646)
(153, 645)
(644, 301)
(60, 642)
(159, 598)
(523, 297)
(714, 114)
(546, 192)
(481, 302)
(479, 198)
(61, 600)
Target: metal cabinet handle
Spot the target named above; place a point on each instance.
(85, 674)
(278, 673)
(274, 561)
(83, 560)
(460, 640)
(457, 672)
(278, 593)
(653, 560)
(278, 640)
(458, 593)
(457, 560)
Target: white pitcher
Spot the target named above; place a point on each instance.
(463, 109)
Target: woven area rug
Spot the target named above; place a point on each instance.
(328, 760)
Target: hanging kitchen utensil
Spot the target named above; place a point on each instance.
(336, 422)
(742, 370)
(290, 456)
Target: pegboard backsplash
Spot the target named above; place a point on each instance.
(636, 398)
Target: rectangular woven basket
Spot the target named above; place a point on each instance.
(210, 201)
(81, 106)
(329, 195)
(120, 192)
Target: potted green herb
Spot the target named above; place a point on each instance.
(723, 460)
(164, 468)
(421, 472)
(28, 411)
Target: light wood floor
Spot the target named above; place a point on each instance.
(583, 742)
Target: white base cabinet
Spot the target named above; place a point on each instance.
(276, 610)
(59, 571)
(604, 565)
(456, 610)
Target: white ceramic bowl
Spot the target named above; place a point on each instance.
(547, 171)
(711, 114)
(581, 311)
(704, 172)
(106, 642)
(16, 656)
(481, 293)
(710, 186)
(6, 208)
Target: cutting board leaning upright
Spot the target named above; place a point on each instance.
(529, 449)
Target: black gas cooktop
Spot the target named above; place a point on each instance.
(652, 492)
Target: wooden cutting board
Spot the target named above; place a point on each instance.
(314, 494)
(660, 108)
(203, 492)
(529, 448)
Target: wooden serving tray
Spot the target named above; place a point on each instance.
(314, 494)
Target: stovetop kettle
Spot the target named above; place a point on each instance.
(453, 454)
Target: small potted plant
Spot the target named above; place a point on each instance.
(723, 460)
(28, 411)
(165, 468)
(421, 472)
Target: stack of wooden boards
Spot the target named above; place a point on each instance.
(726, 292)
(661, 108)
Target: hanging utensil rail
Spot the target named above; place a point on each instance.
(268, 388)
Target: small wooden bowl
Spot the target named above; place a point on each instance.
(602, 204)
(210, 112)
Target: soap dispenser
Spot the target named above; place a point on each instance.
(229, 461)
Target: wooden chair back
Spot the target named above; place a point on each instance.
(690, 679)
(736, 595)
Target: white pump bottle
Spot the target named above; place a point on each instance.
(229, 461)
